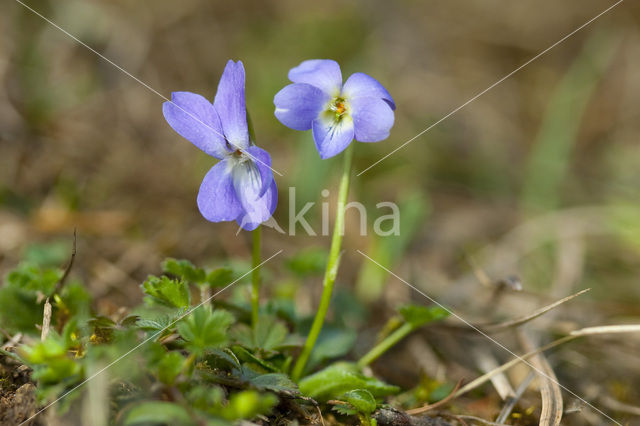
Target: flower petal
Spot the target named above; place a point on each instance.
(332, 137)
(262, 160)
(194, 118)
(361, 85)
(267, 203)
(298, 104)
(372, 119)
(230, 105)
(322, 73)
(247, 183)
(217, 198)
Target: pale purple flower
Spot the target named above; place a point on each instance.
(361, 108)
(241, 186)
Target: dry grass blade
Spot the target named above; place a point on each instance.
(511, 402)
(607, 329)
(486, 362)
(12, 341)
(625, 328)
(519, 321)
(616, 405)
(46, 320)
(550, 392)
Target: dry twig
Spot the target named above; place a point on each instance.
(550, 392)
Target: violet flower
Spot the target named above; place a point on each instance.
(241, 186)
(361, 108)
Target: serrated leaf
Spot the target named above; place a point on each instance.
(344, 409)
(418, 316)
(204, 329)
(269, 333)
(361, 399)
(152, 325)
(168, 292)
(184, 269)
(339, 378)
(157, 412)
(34, 278)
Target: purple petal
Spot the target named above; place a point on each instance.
(298, 104)
(372, 119)
(229, 103)
(268, 203)
(322, 73)
(361, 85)
(262, 160)
(247, 183)
(332, 137)
(195, 119)
(217, 198)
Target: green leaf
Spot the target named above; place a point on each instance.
(268, 335)
(344, 409)
(222, 359)
(276, 382)
(170, 366)
(339, 378)
(50, 360)
(129, 321)
(361, 399)
(155, 412)
(332, 343)
(19, 310)
(34, 278)
(209, 398)
(184, 269)
(246, 356)
(248, 404)
(418, 316)
(219, 277)
(166, 291)
(204, 329)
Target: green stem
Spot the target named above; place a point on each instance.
(188, 363)
(255, 276)
(332, 268)
(385, 345)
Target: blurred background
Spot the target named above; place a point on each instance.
(535, 184)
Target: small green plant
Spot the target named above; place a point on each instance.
(193, 362)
